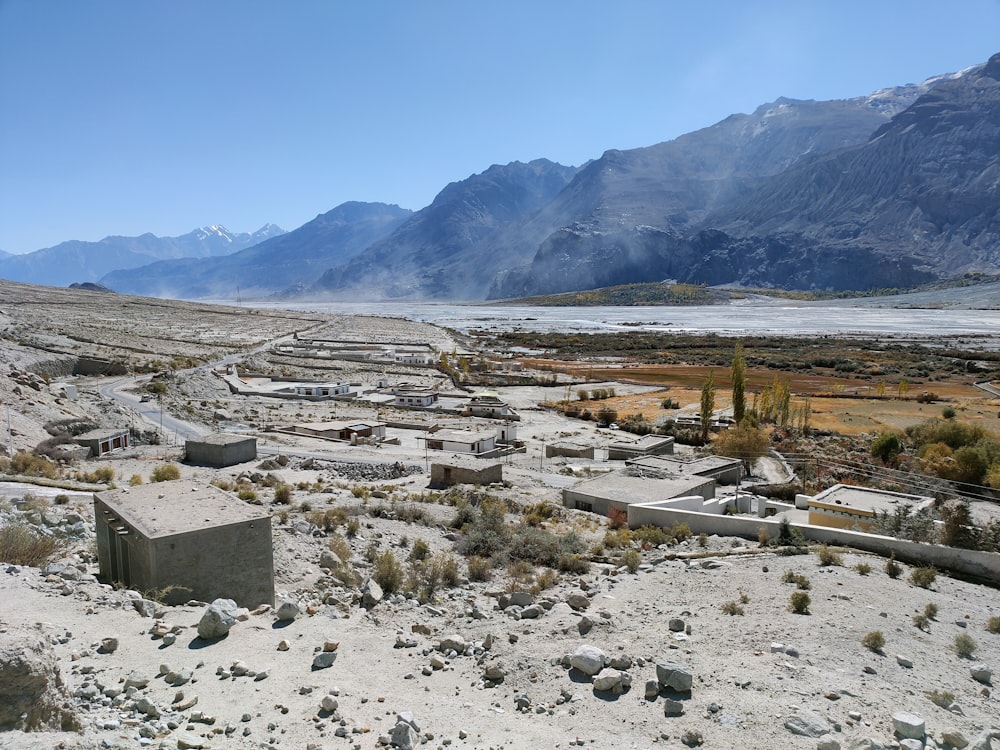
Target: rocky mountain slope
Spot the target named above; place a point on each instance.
(78, 261)
(448, 250)
(293, 259)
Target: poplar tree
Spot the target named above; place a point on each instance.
(707, 404)
(739, 384)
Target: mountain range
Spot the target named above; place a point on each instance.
(892, 189)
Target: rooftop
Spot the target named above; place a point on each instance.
(221, 438)
(867, 499)
(167, 508)
(629, 490)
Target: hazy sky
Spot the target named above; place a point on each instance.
(132, 116)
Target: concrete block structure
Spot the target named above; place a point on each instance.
(720, 468)
(646, 445)
(846, 507)
(187, 540)
(619, 491)
(345, 430)
(462, 470)
(103, 441)
(461, 441)
(569, 450)
(221, 449)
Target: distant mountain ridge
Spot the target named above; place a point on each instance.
(893, 189)
(77, 261)
(288, 262)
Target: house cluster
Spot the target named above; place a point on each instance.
(415, 355)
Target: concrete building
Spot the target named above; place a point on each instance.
(187, 540)
(618, 491)
(489, 404)
(646, 445)
(321, 390)
(845, 506)
(569, 450)
(461, 441)
(461, 470)
(407, 395)
(103, 441)
(720, 468)
(220, 449)
(347, 430)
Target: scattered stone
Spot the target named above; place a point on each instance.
(676, 625)
(452, 642)
(672, 707)
(954, 738)
(674, 676)
(284, 645)
(578, 601)
(611, 680)
(217, 619)
(329, 703)
(287, 611)
(371, 594)
(692, 738)
(324, 659)
(585, 625)
(904, 661)
(588, 659)
(827, 742)
(495, 673)
(807, 723)
(108, 646)
(908, 726)
(981, 672)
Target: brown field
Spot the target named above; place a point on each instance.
(849, 406)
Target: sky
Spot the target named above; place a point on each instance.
(120, 117)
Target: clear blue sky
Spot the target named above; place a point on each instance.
(131, 116)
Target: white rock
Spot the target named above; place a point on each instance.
(981, 673)
(217, 619)
(954, 738)
(287, 611)
(827, 742)
(908, 726)
(808, 724)
(612, 681)
(674, 676)
(588, 659)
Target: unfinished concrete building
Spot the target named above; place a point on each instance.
(185, 540)
(462, 470)
(103, 441)
(618, 491)
(220, 450)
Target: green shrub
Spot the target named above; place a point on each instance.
(930, 610)
(732, 608)
(941, 698)
(135, 480)
(480, 568)
(923, 577)
(863, 568)
(353, 527)
(965, 646)
(892, 568)
(387, 572)
(247, 495)
(573, 563)
(340, 547)
(282, 494)
(921, 621)
(165, 473)
(873, 641)
(829, 556)
(22, 545)
(799, 602)
(421, 550)
(798, 579)
(632, 560)
(993, 624)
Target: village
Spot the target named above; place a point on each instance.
(332, 541)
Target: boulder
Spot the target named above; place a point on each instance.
(674, 676)
(610, 680)
(827, 742)
(588, 659)
(453, 642)
(32, 694)
(218, 618)
(954, 738)
(981, 673)
(404, 736)
(371, 594)
(287, 611)
(578, 601)
(676, 625)
(672, 707)
(324, 659)
(521, 599)
(908, 726)
(808, 724)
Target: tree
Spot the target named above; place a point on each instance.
(886, 447)
(739, 384)
(743, 442)
(707, 404)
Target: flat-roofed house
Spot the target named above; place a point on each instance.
(344, 429)
(103, 441)
(186, 540)
(618, 491)
(461, 441)
(645, 445)
(846, 506)
(220, 449)
(722, 469)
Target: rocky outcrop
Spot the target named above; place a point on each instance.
(32, 694)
